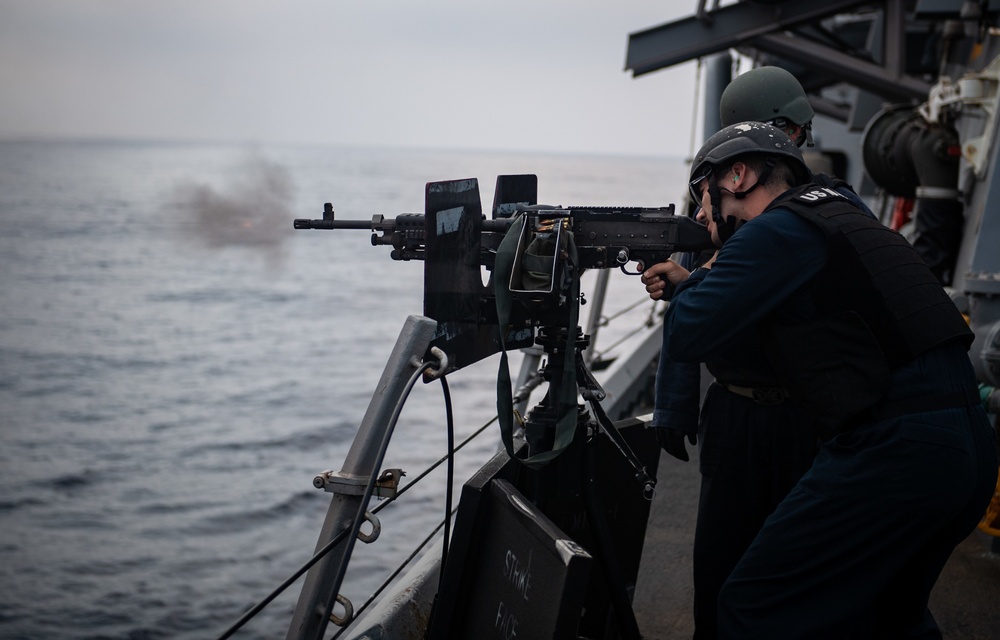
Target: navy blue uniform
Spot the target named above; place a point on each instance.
(750, 456)
(857, 545)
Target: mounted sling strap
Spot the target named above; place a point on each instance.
(525, 271)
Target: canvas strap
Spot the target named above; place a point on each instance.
(566, 395)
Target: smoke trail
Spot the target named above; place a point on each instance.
(254, 211)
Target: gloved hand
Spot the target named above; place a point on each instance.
(672, 441)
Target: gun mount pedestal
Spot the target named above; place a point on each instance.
(568, 503)
(540, 422)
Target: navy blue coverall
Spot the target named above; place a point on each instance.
(855, 548)
(750, 456)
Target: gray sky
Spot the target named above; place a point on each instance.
(515, 75)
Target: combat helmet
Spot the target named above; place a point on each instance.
(726, 146)
(766, 94)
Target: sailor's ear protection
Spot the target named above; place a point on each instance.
(735, 178)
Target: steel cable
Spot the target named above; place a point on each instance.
(256, 609)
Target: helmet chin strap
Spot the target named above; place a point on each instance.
(769, 164)
(724, 227)
(727, 226)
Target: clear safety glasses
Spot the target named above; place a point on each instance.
(695, 185)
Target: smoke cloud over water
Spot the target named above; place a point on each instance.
(254, 211)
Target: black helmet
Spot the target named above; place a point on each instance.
(729, 145)
(744, 138)
(765, 94)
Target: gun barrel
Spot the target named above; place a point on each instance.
(304, 223)
(500, 225)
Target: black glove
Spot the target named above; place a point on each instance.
(672, 441)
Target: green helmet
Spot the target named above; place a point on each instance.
(765, 94)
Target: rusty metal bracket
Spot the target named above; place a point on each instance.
(344, 620)
(350, 485)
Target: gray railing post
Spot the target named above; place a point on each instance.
(321, 584)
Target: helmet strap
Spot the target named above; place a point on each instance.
(724, 227)
(769, 164)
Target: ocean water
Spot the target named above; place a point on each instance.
(176, 364)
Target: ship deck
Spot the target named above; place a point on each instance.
(965, 601)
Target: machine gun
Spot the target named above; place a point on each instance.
(644, 235)
(455, 241)
(535, 255)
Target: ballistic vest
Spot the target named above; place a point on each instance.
(878, 307)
